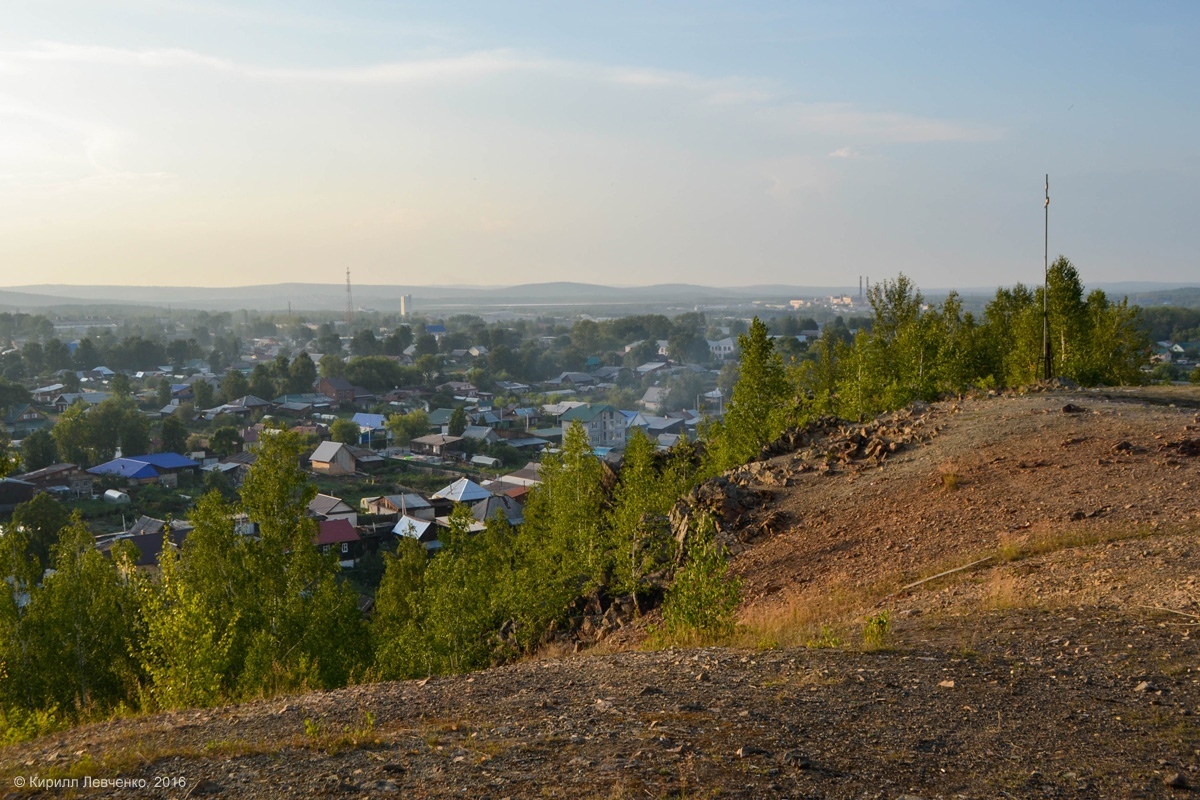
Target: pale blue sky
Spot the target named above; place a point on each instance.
(213, 143)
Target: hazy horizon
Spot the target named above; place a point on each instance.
(190, 144)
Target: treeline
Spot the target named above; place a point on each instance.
(133, 352)
(913, 351)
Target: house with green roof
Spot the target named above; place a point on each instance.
(22, 419)
(605, 425)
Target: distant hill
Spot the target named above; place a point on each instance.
(332, 297)
(311, 296)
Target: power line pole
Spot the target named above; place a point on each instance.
(349, 302)
(1047, 357)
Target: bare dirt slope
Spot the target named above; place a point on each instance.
(1065, 666)
(1024, 471)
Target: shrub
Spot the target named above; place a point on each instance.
(877, 630)
(701, 602)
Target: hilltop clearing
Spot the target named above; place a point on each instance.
(1064, 665)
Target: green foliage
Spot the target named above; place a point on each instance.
(70, 434)
(395, 624)
(877, 630)
(187, 648)
(641, 542)
(90, 436)
(310, 632)
(8, 458)
(443, 616)
(1094, 341)
(225, 441)
(760, 408)
(302, 374)
(72, 646)
(379, 373)
(561, 547)
(458, 422)
(406, 427)
(344, 431)
(40, 521)
(827, 638)
(701, 602)
(19, 724)
(38, 450)
(235, 385)
(202, 395)
(120, 385)
(262, 382)
(174, 435)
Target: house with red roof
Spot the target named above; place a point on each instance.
(339, 536)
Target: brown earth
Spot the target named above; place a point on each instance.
(1065, 665)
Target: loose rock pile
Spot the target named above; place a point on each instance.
(739, 501)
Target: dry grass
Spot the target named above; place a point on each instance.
(806, 620)
(948, 476)
(830, 616)
(1051, 539)
(1002, 591)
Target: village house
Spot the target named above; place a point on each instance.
(163, 468)
(341, 537)
(408, 503)
(23, 419)
(441, 445)
(326, 507)
(605, 425)
(339, 390)
(336, 458)
(68, 479)
(424, 531)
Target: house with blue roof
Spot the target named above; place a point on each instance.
(164, 468)
(372, 428)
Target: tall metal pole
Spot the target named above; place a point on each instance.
(1047, 357)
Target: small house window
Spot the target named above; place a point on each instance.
(345, 547)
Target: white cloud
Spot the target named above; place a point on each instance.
(829, 119)
(469, 65)
(845, 152)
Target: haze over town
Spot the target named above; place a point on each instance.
(220, 144)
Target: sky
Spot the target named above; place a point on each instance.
(172, 142)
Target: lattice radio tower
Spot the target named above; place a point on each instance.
(349, 301)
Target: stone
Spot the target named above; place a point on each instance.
(205, 786)
(794, 758)
(746, 750)
(1178, 781)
